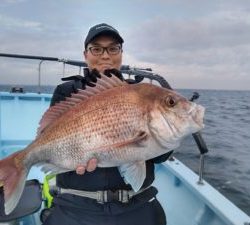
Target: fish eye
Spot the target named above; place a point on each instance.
(170, 101)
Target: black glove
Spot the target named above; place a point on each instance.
(77, 81)
(91, 76)
(115, 72)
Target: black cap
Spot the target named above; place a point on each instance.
(102, 28)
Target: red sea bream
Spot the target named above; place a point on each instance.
(119, 124)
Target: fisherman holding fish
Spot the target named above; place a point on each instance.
(101, 137)
(103, 53)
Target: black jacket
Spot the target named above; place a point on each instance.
(101, 178)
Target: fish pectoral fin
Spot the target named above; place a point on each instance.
(134, 174)
(136, 140)
(139, 137)
(51, 168)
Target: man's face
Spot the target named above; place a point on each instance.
(103, 61)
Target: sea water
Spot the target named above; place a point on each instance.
(227, 135)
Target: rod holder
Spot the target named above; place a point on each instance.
(201, 169)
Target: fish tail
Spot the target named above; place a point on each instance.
(12, 177)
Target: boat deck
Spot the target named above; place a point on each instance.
(184, 200)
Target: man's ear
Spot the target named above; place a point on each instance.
(85, 54)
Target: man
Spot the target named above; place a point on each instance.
(103, 53)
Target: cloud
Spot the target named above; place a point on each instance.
(13, 1)
(213, 49)
(207, 43)
(161, 34)
(14, 23)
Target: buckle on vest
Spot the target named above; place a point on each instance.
(111, 196)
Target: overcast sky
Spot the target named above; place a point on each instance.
(192, 43)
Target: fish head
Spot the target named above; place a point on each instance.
(173, 117)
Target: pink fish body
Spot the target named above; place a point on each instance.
(116, 123)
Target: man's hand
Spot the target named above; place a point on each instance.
(91, 166)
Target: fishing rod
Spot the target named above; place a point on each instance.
(45, 58)
(80, 64)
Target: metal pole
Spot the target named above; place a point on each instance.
(201, 170)
(39, 76)
(63, 69)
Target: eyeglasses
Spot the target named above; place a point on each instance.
(111, 50)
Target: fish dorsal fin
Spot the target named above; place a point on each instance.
(103, 83)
